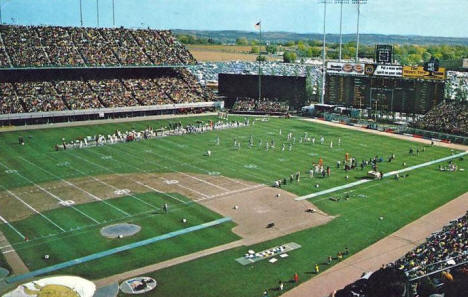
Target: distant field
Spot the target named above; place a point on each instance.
(220, 53)
(140, 166)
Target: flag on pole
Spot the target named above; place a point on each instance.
(258, 25)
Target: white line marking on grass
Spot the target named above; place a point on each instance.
(78, 188)
(388, 174)
(109, 185)
(193, 166)
(143, 170)
(31, 208)
(231, 192)
(11, 227)
(158, 191)
(52, 195)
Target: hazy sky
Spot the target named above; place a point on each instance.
(415, 17)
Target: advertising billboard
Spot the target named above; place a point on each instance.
(345, 68)
(384, 70)
(419, 72)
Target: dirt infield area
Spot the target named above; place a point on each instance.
(260, 212)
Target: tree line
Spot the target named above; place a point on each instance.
(405, 54)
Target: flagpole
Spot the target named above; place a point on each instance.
(260, 65)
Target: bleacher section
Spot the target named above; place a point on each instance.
(448, 117)
(26, 46)
(175, 87)
(55, 69)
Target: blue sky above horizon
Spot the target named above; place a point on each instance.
(401, 17)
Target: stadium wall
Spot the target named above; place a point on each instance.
(286, 88)
(77, 73)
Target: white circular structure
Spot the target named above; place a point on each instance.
(56, 286)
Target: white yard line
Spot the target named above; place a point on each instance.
(78, 188)
(388, 174)
(203, 181)
(146, 171)
(160, 192)
(202, 169)
(109, 185)
(50, 194)
(32, 208)
(11, 227)
(172, 170)
(231, 192)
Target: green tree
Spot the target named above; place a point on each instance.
(255, 50)
(314, 51)
(261, 59)
(242, 41)
(271, 49)
(254, 42)
(289, 57)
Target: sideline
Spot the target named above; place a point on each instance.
(388, 174)
(399, 136)
(98, 122)
(116, 250)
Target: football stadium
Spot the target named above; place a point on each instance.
(132, 163)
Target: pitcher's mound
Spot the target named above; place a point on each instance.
(120, 230)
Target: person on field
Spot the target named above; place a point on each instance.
(296, 277)
(165, 208)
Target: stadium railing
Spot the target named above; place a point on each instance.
(68, 113)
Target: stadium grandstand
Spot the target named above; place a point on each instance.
(448, 117)
(32, 49)
(438, 267)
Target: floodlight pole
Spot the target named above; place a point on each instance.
(1, 13)
(358, 2)
(113, 13)
(357, 31)
(81, 13)
(324, 66)
(97, 12)
(260, 65)
(341, 28)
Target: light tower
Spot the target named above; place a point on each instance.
(358, 3)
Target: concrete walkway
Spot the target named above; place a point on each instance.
(150, 268)
(382, 252)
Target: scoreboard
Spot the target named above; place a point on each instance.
(386, 93)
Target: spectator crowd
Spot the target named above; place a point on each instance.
(437, 268)
(174, 88)
(448, 117)
(25, 46)
(264, 105)
(39, 46)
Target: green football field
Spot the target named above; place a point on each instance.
(36, 175)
